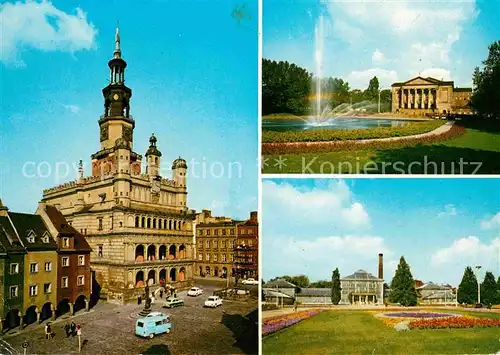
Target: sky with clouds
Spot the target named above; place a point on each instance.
(393, 40)
(192, 67)
(440, 226)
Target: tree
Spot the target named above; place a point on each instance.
(385, 100)
(371, 93)
(467, 290)
(336, 289)
(403, 286)
(321, 284)
(486, 88)
(338, 90)
(285, 87)
(489, 292)
(300, 281)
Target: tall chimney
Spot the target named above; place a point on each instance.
(381, 266)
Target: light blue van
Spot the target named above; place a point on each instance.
(153, 324)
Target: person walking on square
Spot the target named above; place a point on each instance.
(161, 293)
(67, 329)
(73, 328)
(139, 299)
(48, 331)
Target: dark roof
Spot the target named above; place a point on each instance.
(432, 286)
(279, 283)
(8, 239)
(249, 222)
(311, 291)
(65, 229)
(24, 224)
(269, 292)
(462, 90)
(361, 275)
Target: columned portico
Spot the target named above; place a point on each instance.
(420, 96)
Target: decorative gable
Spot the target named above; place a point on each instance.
(419, 81)
(46, 237)
(31, 236)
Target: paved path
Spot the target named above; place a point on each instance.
(338, 143)
(110, 329)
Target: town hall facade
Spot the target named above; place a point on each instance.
(137, 223)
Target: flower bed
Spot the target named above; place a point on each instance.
(419, 315)
(327, 135)
(391, 319)
(306, 147)
(274, 324)
(454, 322)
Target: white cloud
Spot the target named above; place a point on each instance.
(319, 256)
(377, 56)
(360, 79)
(438, 73)
(72, 108)
(491, 223)
(41, 26)
(468, 251)
(415, 35)
(449, 210)
(329, 205)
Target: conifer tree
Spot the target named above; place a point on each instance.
(467, 290)
(403, 286)
(489, 292)
(336, 289)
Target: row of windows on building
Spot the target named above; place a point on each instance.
(223, 243)
(223, 258)
(215, 258)
(216, 231)
(14, 267)
(221, 231)
(47, 287)
(143, 222)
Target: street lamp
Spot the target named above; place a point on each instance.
(478, 284)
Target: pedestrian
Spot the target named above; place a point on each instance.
(139, 299)
(161, 293)
(73, 328)
(48, 331)
(152, 299)
(66, 329)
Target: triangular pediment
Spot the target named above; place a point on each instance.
(421, 81)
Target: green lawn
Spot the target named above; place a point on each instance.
(359, 332)
(478, 150)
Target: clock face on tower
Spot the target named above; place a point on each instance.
(116, 97)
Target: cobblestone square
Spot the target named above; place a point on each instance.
(110, 329)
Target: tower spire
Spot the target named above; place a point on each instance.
(118, 52)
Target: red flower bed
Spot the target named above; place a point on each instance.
(315, 147)
(454, 322)
(274, 324)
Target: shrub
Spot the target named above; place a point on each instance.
(327, 135)
(325, 147)
(269, 307)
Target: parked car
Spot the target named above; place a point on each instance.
(153, 324)
(213, 301)
(172, 302)
(250, 281)
(195, 291)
